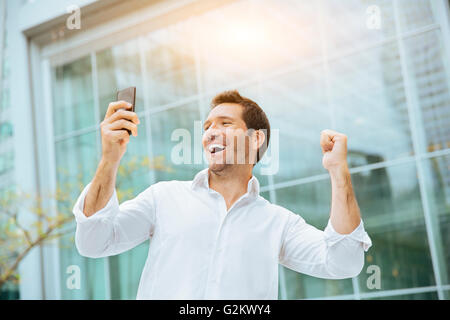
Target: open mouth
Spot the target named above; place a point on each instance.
(216, 148)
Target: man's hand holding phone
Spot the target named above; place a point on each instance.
(118, 119)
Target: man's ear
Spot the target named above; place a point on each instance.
(259, 137)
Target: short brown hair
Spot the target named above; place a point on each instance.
(252, 114)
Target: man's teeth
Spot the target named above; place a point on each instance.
(216, 148)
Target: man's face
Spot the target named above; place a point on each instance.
(225, 138)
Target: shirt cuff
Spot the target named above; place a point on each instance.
(107, 211)
(359, 235)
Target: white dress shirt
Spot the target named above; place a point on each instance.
(201, 250)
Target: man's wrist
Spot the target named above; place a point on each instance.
(107, 168)
(105, 163)
(340, 174)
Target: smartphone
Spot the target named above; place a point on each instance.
(128, 95)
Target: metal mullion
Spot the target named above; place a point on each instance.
(198, 75)
(383, 293)
(42, 69)
(2, 47)
(146, 114)
(96, 101)
(441, 10)
(273, 199)
(330, 102)
(413, 110)
(76, 133)
(272, 194)
(367, 167)
(93, 56)
(202, 107)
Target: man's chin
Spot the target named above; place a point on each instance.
(217, 167)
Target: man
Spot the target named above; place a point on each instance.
(215, 237)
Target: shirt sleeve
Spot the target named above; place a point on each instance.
(114, 228)
(324, 254)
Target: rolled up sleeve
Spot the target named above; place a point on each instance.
(114, 228)
(324, 254)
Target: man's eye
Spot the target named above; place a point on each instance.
(226, 123)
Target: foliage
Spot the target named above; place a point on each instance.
(28, 221)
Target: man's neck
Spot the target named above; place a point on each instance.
(231, 184)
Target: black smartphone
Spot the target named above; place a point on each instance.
(128, 95)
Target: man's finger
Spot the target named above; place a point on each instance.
(326, 141)
(113, 106)
(124, 124)
(123, 114)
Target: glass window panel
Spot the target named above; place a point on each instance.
(265, 195)
(429, 71)
(231, 53)
(263, 179)
(356, 23)
(293, 29)
(163, 124)
(296, 106)
(391, 207)
(446, 295)
(118, 68)
(301, 286)
(6, 130)
(417, 296)
(10, 291)
(73, 97)
(133, 178)
(224, 56)
(134, 170)
(437, 180)
(170, 64)
(370, 106)
(6, 161)
(76, 162)
(414, 14)
(92, 272)
(125, 272)
(312, 202)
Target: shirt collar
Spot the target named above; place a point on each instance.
(201, 182)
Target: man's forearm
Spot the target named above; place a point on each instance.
(345, 214)
(101, 189)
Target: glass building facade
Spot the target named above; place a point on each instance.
(375, 70)
(7, 184)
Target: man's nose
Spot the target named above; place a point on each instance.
(213, 134)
